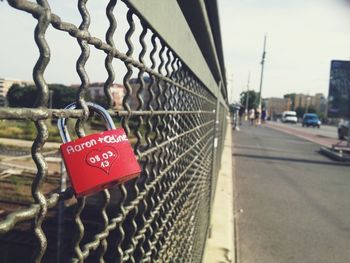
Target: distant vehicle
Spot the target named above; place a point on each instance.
(343, 129)
(311, 119)
(289, 116)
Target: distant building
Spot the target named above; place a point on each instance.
(157, 88)
(276, 106)
(300, 101)
(320, 103)
(96, 91)
(317, 101)
(5, 85)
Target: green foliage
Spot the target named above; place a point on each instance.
(231, 107)
(101, 100)
(322, 116)
(19, 96)
(29, 130)
(62, 95)
(301, 111)
(25, 130)
(253, 99)
(26, 96)
(17, 130)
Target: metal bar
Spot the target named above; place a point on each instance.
(25, 214)
(37, 114)
(156, 13)
(160, 112)
(44, 114)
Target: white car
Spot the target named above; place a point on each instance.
(289, 116)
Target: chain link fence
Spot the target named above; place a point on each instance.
(176, 123)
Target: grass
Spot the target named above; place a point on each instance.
(17, 129)
(18, 189)
(26, 130)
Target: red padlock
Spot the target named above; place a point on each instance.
(97, 161)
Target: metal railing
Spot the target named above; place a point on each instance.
(177, 119)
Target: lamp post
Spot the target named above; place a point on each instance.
(247, 99)
(261, 79)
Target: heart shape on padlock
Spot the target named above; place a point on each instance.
(102, 158)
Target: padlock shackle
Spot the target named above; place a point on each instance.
(62, 127)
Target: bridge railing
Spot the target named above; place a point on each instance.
(173, 109)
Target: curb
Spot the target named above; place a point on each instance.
(334, 154)
(220, 245)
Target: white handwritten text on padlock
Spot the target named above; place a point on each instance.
(93, 142)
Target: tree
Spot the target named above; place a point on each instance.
(22, 96)
(26, 96)
(62, 95)
(253, 99)
(301, 111)
(231, 108)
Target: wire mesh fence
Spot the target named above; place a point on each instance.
(176, 127)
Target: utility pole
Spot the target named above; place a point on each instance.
(231, 88)
(247, 99)
(261, 79)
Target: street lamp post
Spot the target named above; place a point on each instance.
(247, 99)
(261, 79)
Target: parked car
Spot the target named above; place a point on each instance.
(289, 116)
(311, 119)
(343, 129)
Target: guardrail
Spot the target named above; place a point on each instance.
(175, 111)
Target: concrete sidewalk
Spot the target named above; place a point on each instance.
(220, 244)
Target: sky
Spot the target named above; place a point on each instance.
(20, 52)
(302, 38)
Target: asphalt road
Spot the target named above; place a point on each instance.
(292, 204)
(325, 130)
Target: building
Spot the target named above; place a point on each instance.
(96, 91)
(317, 101)
(320, 103)
(300, 101)
(276, 106)
(6, 84)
